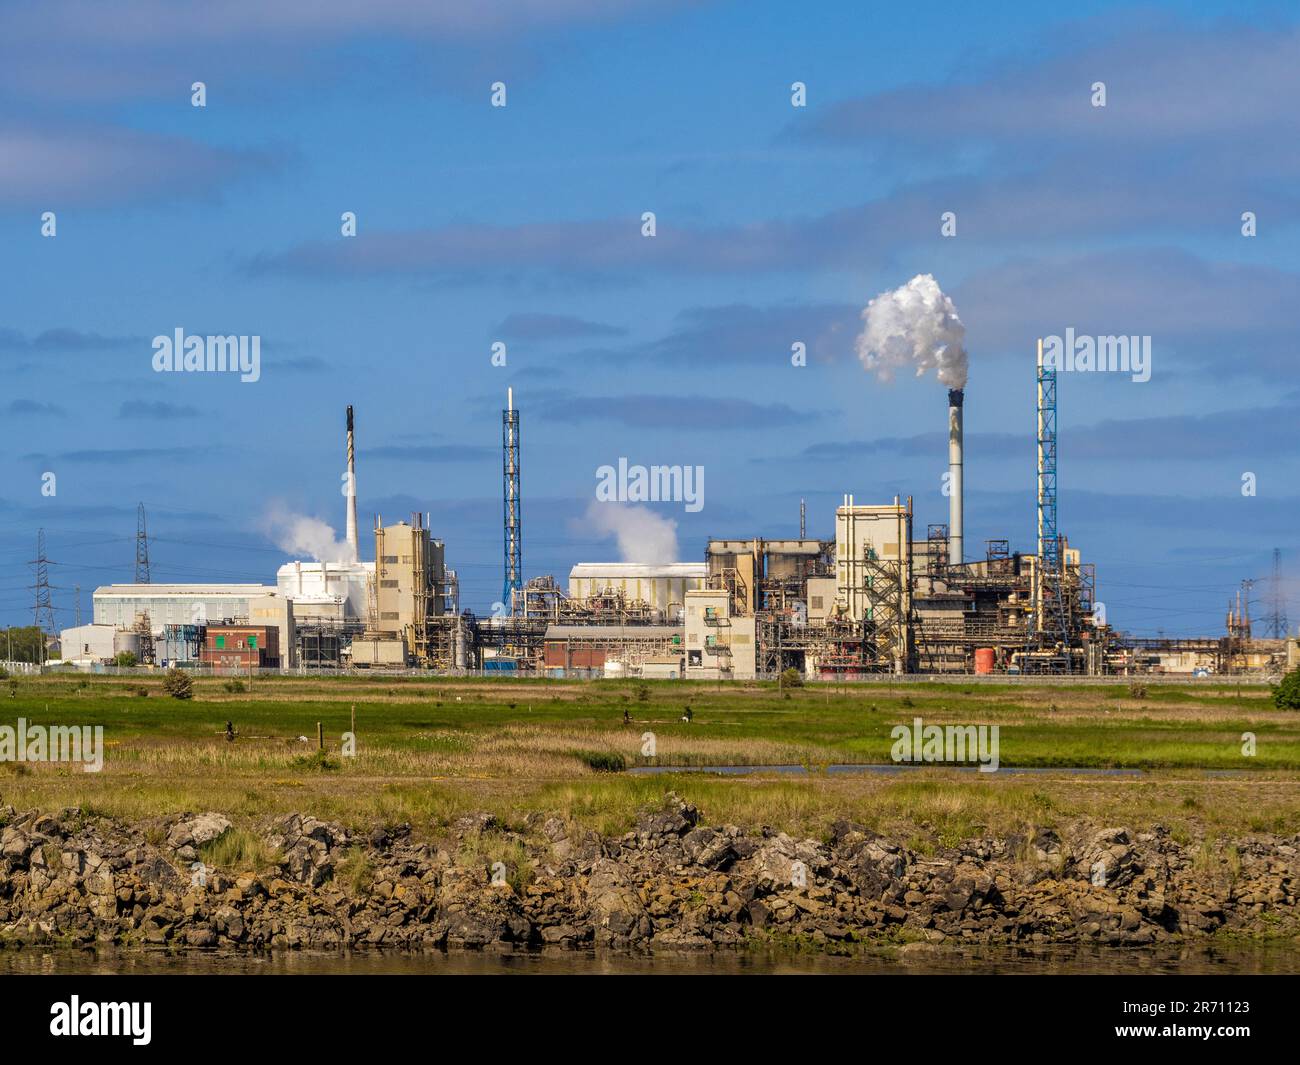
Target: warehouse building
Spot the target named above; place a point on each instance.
(662, 587)
(241, 648)
(610, 650)
(122, 605)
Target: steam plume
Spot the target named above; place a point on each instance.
(643, 536)
(297, 534)
(914, 327)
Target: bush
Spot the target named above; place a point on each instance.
(1286, 696)
(141, 691)
(1137, 691)
(4, 673)
(791, 678)
(234, 686)
(605, 761)
(126, 659)
(178, 684)
(317, 762)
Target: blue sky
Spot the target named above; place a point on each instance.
(521, 224)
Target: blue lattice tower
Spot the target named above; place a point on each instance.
(513, 538)
(1049, 544)
(1052, 616)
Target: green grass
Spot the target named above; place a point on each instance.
(432, 749)
(238, 850)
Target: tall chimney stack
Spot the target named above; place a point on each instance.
(352, 492)
(956, 397)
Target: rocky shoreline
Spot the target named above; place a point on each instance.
(672, 882)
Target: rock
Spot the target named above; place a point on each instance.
(200, 937)
(673, 820)
(196, 831)
(15, 844)
(475, 824)
(671, 882)
(617, 912)
(707, 847)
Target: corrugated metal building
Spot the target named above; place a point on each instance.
(664, 586)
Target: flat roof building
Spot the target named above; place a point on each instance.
(120, 605)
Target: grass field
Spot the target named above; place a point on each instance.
(429, 750)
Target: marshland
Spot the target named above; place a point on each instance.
(338, 796)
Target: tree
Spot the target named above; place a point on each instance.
(790, 678)
(178, 684)
(1286, 696)
(23, 643)
(126, 659)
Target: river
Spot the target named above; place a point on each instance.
(1224, 959)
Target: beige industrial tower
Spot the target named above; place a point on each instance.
(408, 591)
(873, 574)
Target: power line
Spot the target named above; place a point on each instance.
(42, 606)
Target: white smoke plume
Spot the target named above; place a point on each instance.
(914, 327)
(643, 536)
(299, 535)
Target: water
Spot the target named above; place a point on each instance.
(888, 768)
(1223, 959)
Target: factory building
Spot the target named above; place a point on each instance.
(92, 645)
(169, 621)
(410, 623)
(611, 650)
(877, 597)
(122, 605)
(326, 591)
(237, 648)
(661, 587)
(720, 642)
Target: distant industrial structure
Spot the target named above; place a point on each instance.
(877, 597)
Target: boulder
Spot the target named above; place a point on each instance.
(617, 913)
(193, 832)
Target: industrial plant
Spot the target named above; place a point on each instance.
(878, 596)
